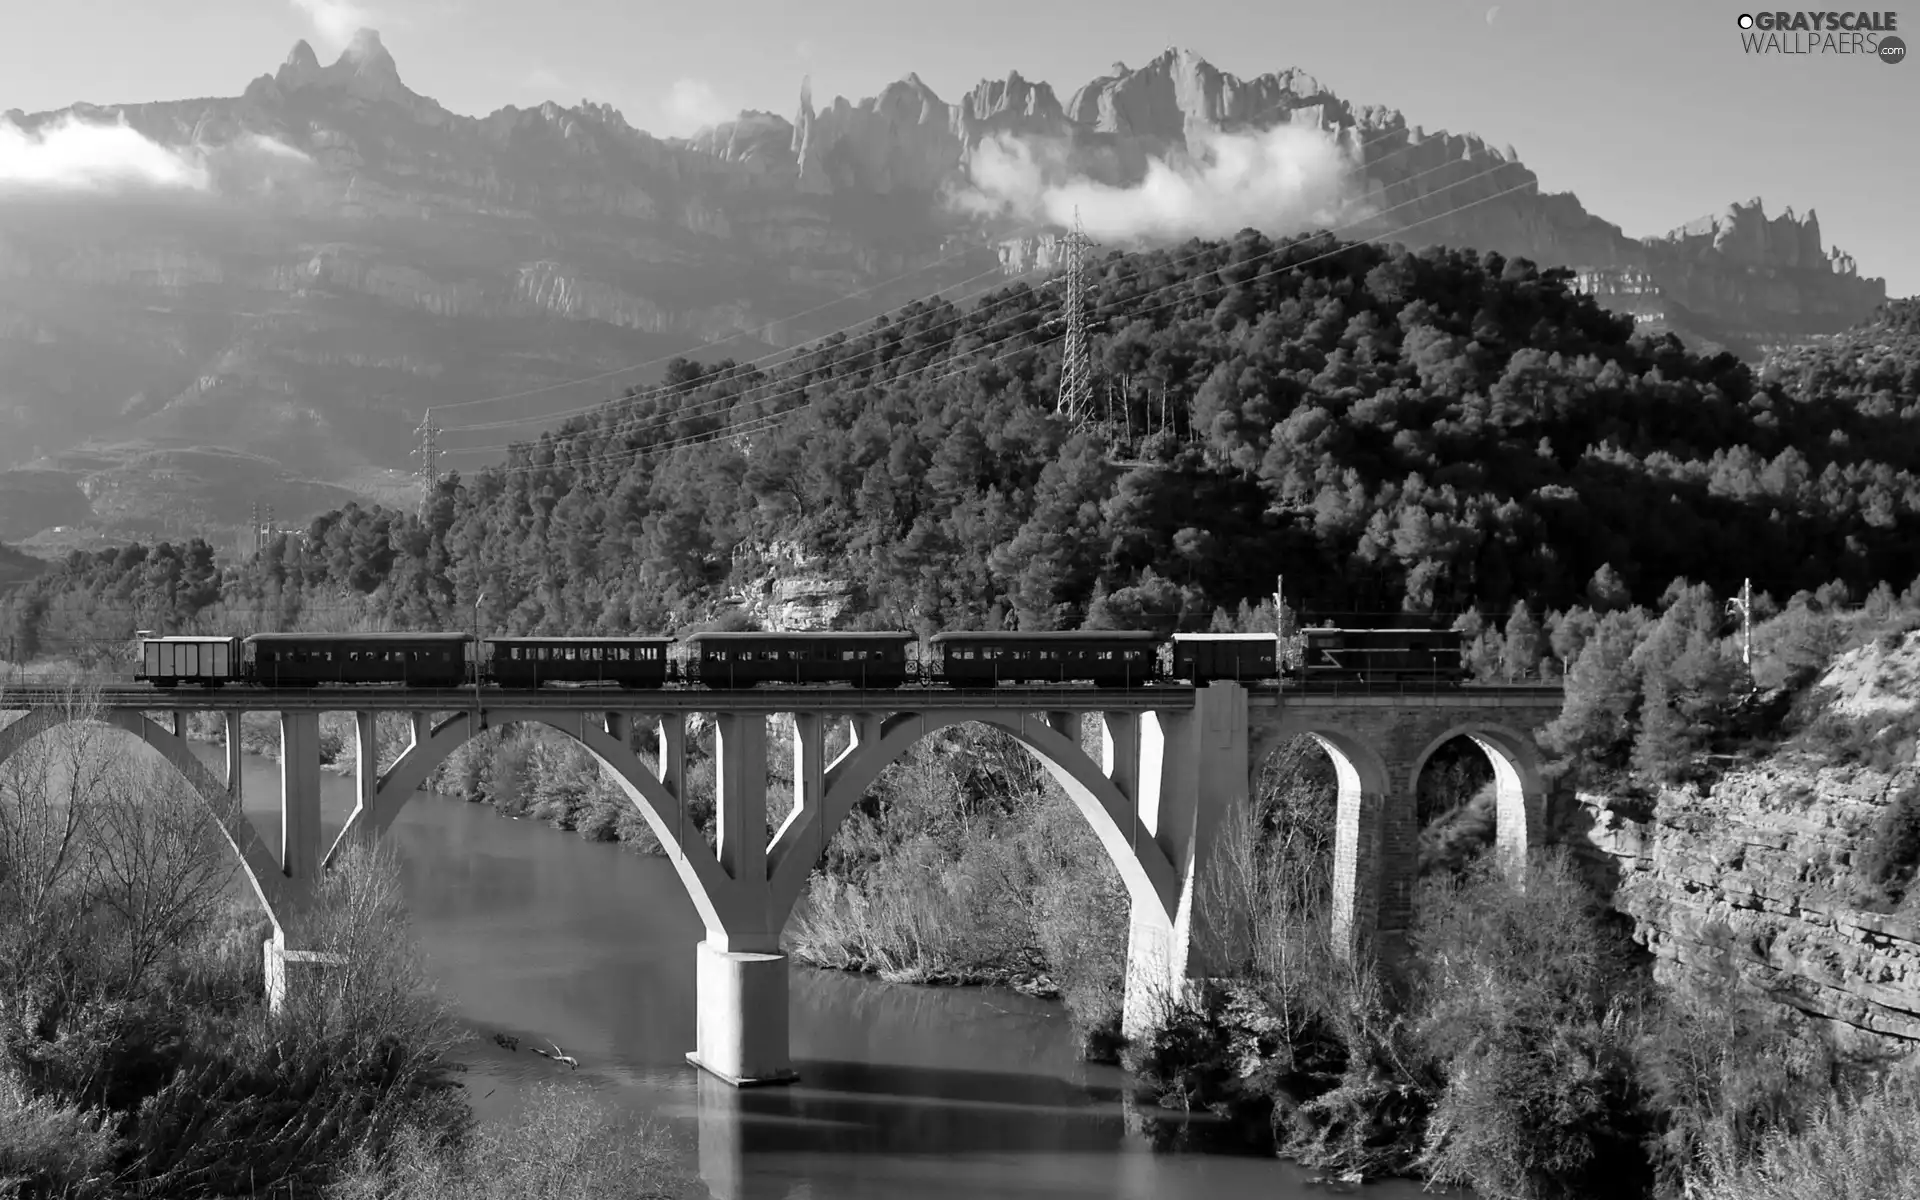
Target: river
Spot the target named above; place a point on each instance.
(904, 1091)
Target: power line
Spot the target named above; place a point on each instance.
(722, 405)
(652, 362)
(1358, 149)
(771, 420)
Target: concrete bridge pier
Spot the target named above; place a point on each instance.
(1189, 780)
(741, 975)
(287, 959)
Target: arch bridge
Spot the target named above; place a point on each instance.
(1173, 766)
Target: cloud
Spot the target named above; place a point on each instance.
(336, 21)
(542, 80)
(1284, 180)
(692, 105)
(69, 155)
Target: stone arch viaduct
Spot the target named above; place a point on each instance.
(1173, 767)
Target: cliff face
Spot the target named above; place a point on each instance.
(1758, 878)
(1763, 876)
(335, 253)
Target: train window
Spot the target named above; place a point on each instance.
(966, 655)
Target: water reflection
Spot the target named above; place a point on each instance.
(924, 1092)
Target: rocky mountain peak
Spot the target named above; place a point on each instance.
(365, 69)
(1179, 93)
(369, 55)
(301, 69)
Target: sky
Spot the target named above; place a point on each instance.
(1649, 110)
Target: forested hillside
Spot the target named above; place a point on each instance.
(1430, 432)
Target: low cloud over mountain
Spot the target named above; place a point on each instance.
(1283, 180)
(69, 154)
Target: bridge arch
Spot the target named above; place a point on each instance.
(257, 862)
(664, 812)
(1519, 782)
(1100, 799)
(1366, 897)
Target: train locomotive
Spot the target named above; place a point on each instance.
(881, 660)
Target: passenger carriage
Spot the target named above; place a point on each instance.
(430, 660)
(1106, 658)
(531, 662)
(732, 660)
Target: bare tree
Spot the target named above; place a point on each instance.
(47, 789)
(375, 986)
(1262, 898)
(157, 861)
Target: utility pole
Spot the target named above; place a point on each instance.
(1743, 605)
(428, 453)
(1279, 625)
(1076, 364)
(479, 720)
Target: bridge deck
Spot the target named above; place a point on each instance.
(375, 698)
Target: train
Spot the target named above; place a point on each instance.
(726, 661)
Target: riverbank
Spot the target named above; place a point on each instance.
(138, 1054)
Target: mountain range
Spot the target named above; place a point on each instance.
(219, 303)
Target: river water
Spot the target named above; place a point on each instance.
(931, 1093)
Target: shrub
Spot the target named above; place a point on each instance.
(1890, 856)
(1520, 1003)
(1720, 1066)
(1863, 1144)
(564, 1145)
